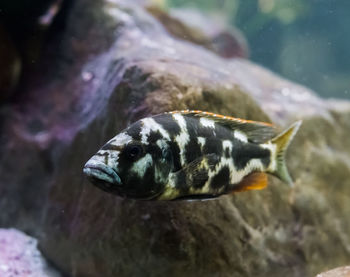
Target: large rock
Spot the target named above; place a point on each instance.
(115, 64)
(10, 65)
(337, 272)
(193, 26)
(20, 257)
(23, 31)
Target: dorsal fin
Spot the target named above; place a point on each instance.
(256, 131)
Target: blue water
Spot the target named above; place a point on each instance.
(305, 41)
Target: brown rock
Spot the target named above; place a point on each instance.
(190, 25)
(10, 65)
(99, 85)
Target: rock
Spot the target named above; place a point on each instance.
(24, 29)
(10, 65)
(338, 272)
(114, 64)
(20, 257)
(190, 25)
(20, 11)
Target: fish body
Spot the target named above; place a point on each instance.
(190, 155)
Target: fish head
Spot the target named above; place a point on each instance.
(130, 168)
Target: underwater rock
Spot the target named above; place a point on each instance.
(10, 65)
(115, 63)
(195, 27)
(25, 28)
(337, 272)
(20, 12)
(20, 257)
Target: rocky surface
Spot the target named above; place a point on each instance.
(23, 32)
(10, 65)
(338, 272)
(193, 26)
(114, 64)
(19, 256)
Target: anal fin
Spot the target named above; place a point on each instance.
(253, 181)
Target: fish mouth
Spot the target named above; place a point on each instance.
(100, 172)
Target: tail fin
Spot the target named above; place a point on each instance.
(282, 142)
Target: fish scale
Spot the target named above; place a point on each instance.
(190, 155)
(211, 144)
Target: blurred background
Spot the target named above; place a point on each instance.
(306, 41)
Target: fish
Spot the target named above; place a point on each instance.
(190, 155)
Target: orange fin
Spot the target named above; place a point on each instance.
(254, 181)
(256, 131)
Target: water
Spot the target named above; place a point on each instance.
(305, 41)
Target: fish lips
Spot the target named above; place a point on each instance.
(102, 175)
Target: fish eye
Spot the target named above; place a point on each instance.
(133, 151)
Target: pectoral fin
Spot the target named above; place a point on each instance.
(196, 172)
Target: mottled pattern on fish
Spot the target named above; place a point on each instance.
(186, 154)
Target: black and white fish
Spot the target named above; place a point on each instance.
(190, 155)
